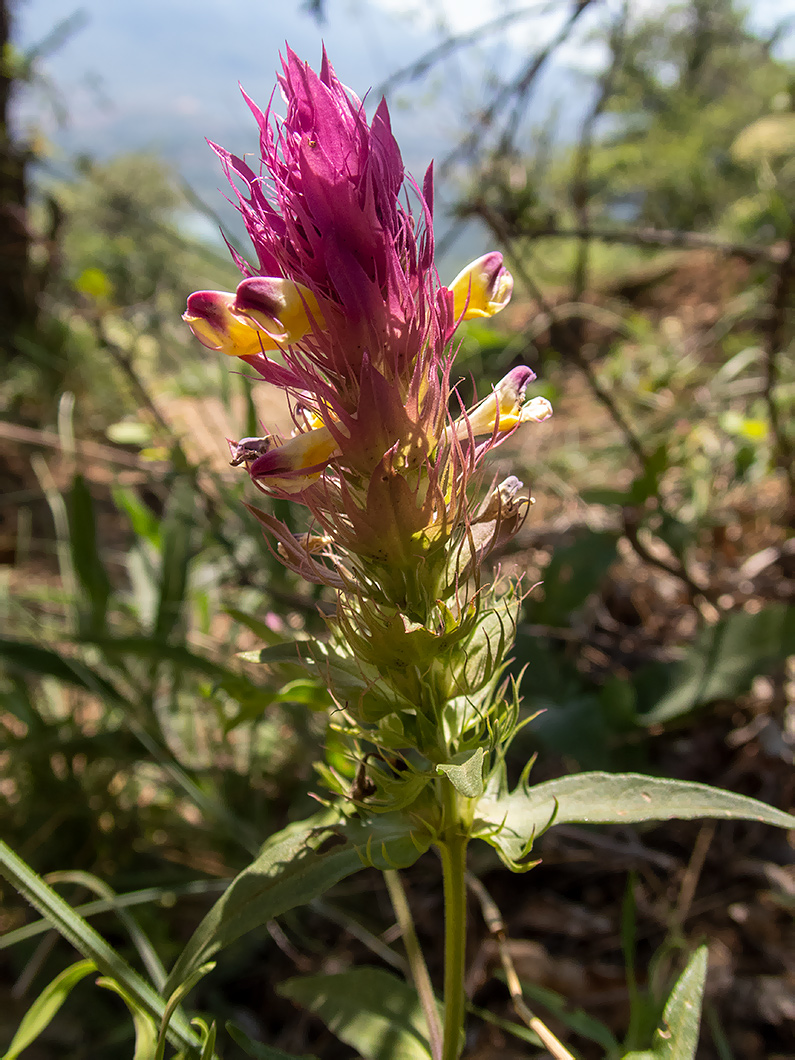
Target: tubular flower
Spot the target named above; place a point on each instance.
(482, 289)
(282, 309)
(343, 309)
(210, 317)
(505, 408)
(298, 463)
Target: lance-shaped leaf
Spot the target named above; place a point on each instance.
(145, 1026)
(257, 1049)
(295, 866)
(93, 947)
(370, 1009)
(677, 1038)
(46, 1006)
(511, 822)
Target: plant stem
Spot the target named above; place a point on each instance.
(419, 970)
(453, 849)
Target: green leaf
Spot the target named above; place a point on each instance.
(45, 1007)
(208, 1037)
(677, 1038)
(369, 1009)
(44, 662)
(145, 524)
(237, 685)
(510, 823)
(576, 1020)
(119, 901)
(145, 1026)
(293, 868)
(174, 1001)
(518, 1030)
(177, 553)
(146, 950)
(88, 567)
(466, 772)
(606, 496)
(725, 659)
(88, 942)
(255, 625)
(287, 652)
(257, 1049)
(571, 576)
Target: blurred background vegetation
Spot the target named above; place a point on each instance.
(653, 247)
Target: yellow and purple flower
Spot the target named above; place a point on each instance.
(344, 310)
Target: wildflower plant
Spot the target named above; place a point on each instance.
(341, 307)
(344, 310)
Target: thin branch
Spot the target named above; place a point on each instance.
(693, 872)
(434, 55)
(572, 346)
(105, 454)
(572, 349)
(419, 969)
(518, 89)
(647, 237)
(776, 338)
(581, 176)
(496, 925)
(677, 570)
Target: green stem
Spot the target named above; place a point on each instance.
(419, 970)
(453, 848)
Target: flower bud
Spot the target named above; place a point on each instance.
(482, 289)
(210, 317)
(284, 310)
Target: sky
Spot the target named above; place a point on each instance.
(162, 75)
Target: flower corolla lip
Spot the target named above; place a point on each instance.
(291, 467)
(505, 408)
(211, 318)
(483, 288)
(286, 311)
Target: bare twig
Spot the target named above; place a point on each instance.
(419, 970)
(674, 239)
(123, 361)
(572, 346)
(516, 90)
(581, 182)
(693, 872)
(453, 43)
(677, 570)
(776, 328)
(496, 925)
(360, 932)
(300, 960)
(572, 349)
(105, 454)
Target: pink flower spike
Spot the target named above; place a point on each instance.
(210, 317)
(483, 288)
